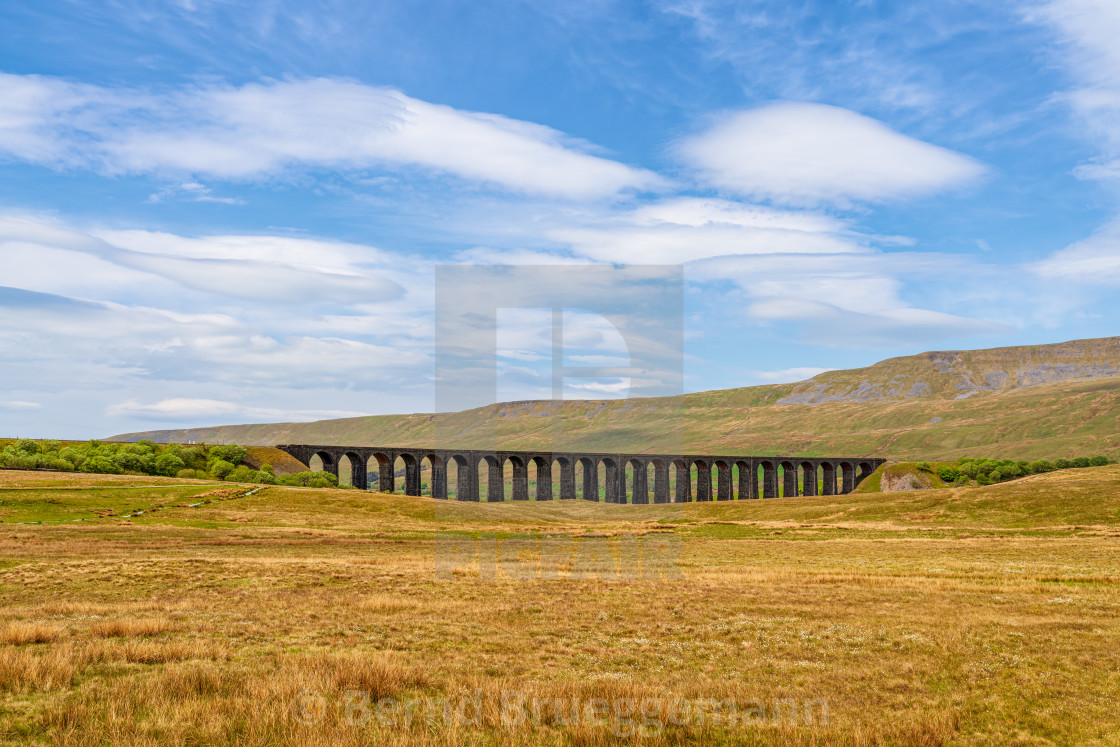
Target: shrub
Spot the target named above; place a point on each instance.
(1081, 462)
(242, 473)
(168, 464)
(987, 465)
(189, 474)
(221, 469)
(968, 469)
(1042, 465)
(24, 462)
(140, 449)
(983, 479)
(1098, 461)
(949, 474)
(102, 465)
(309, 480)
(54, 462)
(231, 453)
(194, 457)
(1064, 464)
(924, 467)
(131, 461)
(27, 446)
(144, 457)
(72, 455)
(995, 475)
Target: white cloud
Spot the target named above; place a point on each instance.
(527, 356)
(701, 211)
(603, 388)
(674, 244)
(194, 192)
(1095, 260)
(20, 405)
(688, 229)
(489, 256)
(261, 129)
(845, 299)
(833, 326)
(195, 409)
(271, 269)
(799, 266)
(118, 347)
(789, 375)
(224, 309)
(302, 253)
(807, 154)
(1093, 27)
(613, 361)
(1089, 30)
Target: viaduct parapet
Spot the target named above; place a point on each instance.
(736, 477)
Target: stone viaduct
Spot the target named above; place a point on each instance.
(796, 476)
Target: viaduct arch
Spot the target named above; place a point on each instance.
(604, 474)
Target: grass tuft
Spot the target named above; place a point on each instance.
(22, 633)
(129, 628)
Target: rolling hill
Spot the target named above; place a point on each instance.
(1026, 402)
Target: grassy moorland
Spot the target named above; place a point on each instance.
(1045, 401)
(981, 615)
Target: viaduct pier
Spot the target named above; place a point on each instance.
(716, 477)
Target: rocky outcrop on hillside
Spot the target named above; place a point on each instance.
(960, 374)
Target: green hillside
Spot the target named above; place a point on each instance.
(1024, 402)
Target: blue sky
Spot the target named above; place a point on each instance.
(217, 212)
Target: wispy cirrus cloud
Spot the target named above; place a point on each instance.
(263, 129)
(192, 192)
(1088, 30)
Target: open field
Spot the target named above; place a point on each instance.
(950, 616)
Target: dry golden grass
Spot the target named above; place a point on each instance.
(129, 627)
(982, 617)
(22, 669)
(20, 633)
(385, 603)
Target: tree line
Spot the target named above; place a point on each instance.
(202, 462)
(990, 471)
